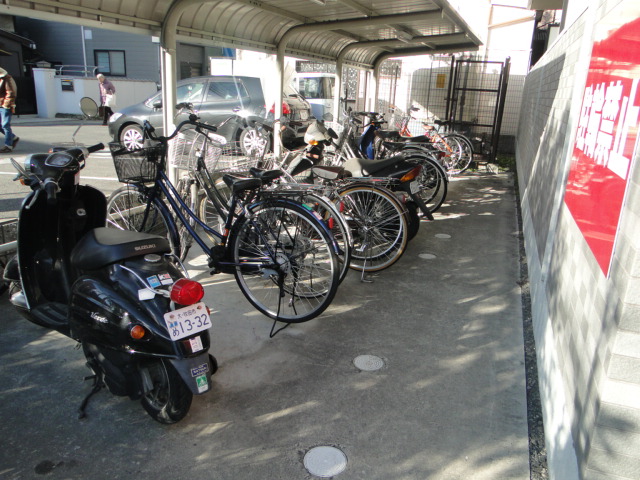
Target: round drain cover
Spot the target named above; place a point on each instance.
(427, 256)
(325, 461)
(368, 363)
(442, 235)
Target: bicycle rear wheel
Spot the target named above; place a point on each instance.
(433, 176)
(285, 264)
(378, 225)
(127, 210)
(338, 227)
(464, 153)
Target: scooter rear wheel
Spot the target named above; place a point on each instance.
(170, 399)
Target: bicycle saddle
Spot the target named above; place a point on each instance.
(240, 184)
(266, 176)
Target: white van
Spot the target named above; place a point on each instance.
(317, 88)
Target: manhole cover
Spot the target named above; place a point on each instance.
(442, 235)
(325, 461)
(427, 256)
(368, 363)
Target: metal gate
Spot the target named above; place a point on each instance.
(477, 91)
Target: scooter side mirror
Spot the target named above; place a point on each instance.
(332, 133)
(89, 107)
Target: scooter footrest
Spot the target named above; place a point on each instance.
(53, 314)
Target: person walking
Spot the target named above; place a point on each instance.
(107, 97)
(8, 93)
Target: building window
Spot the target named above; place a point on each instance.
(111, 62)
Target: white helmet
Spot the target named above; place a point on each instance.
(316, 133)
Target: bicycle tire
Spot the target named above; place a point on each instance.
(433, 177)
(338, 227)
(285, 264)
(433, 184)
(125, 211)
(379, 226)
(214, 207)
(464, 156)
(186, 240)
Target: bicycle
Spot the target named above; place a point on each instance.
(283, 258)
(370, 224)
(457, 148)
(380, 225)
(203, 174)
(433, 178)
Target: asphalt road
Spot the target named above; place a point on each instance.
(37, 136)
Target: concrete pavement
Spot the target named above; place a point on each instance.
(449, 402)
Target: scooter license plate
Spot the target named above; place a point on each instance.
(187, 321)
(414, 187)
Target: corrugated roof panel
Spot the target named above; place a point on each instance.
(260, 24)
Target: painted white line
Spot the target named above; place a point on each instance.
(106, 179)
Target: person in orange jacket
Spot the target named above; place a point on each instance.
(8, 92)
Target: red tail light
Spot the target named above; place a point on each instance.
(411, 174)
(285, 108)
(186, 292)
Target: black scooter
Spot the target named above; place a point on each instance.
(142, 325)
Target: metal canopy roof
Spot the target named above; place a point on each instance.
(363, 30)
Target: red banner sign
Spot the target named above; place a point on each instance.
(607, 132)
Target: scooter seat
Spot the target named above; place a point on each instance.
(370, 167)
(104, 246)
(327, 172)
(388, 134)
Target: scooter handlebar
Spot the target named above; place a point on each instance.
(95, 148)
(51, 189)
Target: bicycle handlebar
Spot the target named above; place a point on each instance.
(192, 120)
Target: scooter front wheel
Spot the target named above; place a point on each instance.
(169, 399)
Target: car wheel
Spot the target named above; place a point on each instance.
(252, 141)
(131, 137)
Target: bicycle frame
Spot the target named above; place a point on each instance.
(178, 206)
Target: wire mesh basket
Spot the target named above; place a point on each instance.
(185, 148)
(136, 166)
(233, 159)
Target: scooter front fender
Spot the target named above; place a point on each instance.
(196, 372)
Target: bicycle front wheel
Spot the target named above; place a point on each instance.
(128, 208)
(285, 262)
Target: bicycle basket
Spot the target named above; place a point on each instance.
(136, 166)
(185, 148)
(232, 159)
